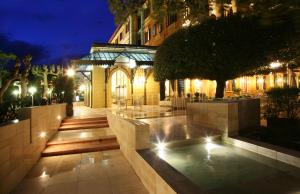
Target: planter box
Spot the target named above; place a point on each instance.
(228, 116)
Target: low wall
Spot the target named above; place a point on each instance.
(21, 143)
(132, 136)
(228, 116)
(287, 156)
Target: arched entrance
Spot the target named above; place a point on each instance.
(119, 86)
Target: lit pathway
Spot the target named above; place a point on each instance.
(106, 172)
(102, 172)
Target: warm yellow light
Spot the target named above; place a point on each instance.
(131, 64)
(275, 64)
(139, 80)
(198, 83)
(260, 80)
(58, 117)
(208, 139)
(71, 72)
(279, 80)
(15, 120)
(161, 146)
(32, 90)
(43, 134)
(82, 87)
(16, 92)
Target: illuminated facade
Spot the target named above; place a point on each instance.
(141, 29)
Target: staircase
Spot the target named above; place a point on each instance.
(86, 123)
(81, 135)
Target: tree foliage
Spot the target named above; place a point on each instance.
(121, 9)
(222, 49)
(44, 72)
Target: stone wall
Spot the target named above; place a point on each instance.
(133, 135)
(228, 116)
(21, 143)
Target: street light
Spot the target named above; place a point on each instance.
(70, 72)
(32, 91)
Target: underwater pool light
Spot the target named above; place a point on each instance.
(208, 139)
(161, 146)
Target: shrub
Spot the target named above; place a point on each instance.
(283, 100)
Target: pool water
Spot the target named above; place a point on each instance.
(221, 168)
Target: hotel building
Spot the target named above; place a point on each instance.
(121, 70)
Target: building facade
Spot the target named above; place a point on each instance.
(120, 83)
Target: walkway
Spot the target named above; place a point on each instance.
(105, 172)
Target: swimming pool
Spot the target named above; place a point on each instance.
(221, 168)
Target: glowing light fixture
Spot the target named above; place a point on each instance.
(70, 72)
(186, 23)
(43, 134)
(58, 117)
(144, 66)
(44, 174)
(161, 146)
(104, 66)
(260, 80)
(131, 64)
(275, 64)
(16, 93)
(15, 120)
(32, 90)
(208, 139)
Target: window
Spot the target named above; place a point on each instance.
(146, 36)
(127, 28)
(154, 30)
(149, 33)
(159, 28)
(172, 18)
(121, 36)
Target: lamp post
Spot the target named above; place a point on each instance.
(32, 91)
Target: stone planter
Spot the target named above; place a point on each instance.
(228, 116)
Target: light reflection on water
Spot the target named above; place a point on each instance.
(214, 166)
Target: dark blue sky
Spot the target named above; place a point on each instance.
(53, 30)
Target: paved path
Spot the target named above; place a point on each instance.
(102, 172)
(106, 172)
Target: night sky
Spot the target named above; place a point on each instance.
(53, 31)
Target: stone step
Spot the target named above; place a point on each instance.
(84, 119)
(84, 122)
(76, 148)
(83, 140)
(82, 126)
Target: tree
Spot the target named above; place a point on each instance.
(222, 49)
(44, 72)
(24, 75)
(10, 78)
(121, 9)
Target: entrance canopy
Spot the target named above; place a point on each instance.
(108, 54)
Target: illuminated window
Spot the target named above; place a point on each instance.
(119, 86)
